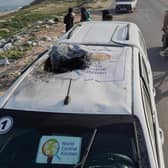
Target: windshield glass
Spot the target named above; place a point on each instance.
(29, 142)
(114, 146)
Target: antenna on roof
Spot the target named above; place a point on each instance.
(128, 34)
(67, 98)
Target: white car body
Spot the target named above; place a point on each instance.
(126, 5)
(120, 86)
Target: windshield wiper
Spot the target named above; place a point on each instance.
(83, 160)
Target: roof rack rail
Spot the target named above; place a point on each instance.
(29, 65)
(128, 33)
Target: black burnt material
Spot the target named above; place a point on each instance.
(65, 58)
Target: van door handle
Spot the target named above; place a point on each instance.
(161, 135)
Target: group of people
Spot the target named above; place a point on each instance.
(85, 16)
(69, 17)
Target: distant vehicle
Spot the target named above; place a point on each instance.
(98, 111)
(126, 5)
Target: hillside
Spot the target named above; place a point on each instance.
(39, 10)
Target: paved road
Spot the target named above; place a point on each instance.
(149, 17)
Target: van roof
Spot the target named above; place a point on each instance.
(103, 88)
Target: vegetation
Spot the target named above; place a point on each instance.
(41, 10)
(25, 18)
(13, 53)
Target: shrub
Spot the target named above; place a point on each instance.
(13, 53)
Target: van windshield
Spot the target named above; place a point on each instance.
(52, 143)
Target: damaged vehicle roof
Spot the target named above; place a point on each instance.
(99, 88)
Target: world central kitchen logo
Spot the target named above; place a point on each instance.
(50, 148)
(59, 150)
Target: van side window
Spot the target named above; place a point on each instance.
(142, 145)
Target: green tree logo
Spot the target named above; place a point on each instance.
(50, 148)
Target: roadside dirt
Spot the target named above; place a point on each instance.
(9, 72)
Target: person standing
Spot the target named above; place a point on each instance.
(69, 19)
(85, 15)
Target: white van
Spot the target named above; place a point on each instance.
(95, 109)
(126, 5)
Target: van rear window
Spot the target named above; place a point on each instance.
(56, 144)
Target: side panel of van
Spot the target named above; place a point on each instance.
(158, 135)
(138, 107)
(149, 108)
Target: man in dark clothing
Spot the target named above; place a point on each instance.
(69, 19)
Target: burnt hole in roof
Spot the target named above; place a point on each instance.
(64, 58)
